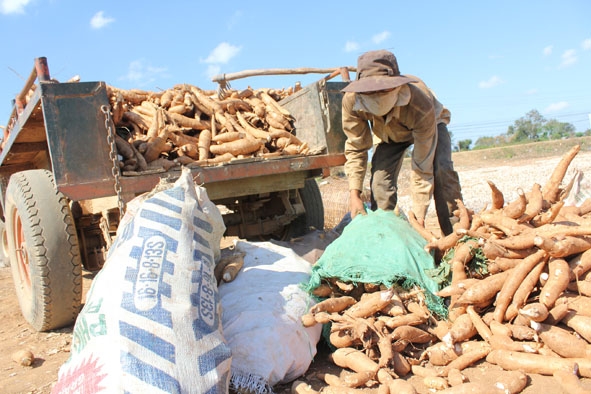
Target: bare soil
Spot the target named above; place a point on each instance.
(51, 349)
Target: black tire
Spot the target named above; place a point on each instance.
(4, 258)
(314, 216)
(43, 250)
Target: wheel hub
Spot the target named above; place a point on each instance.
(22, 256)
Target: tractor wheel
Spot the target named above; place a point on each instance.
(4, 255)
(314, 216)
(43, 250)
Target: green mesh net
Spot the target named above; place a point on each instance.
(383, 249)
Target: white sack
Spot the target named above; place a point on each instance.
(261, 316)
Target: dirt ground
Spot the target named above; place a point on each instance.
(51, 349)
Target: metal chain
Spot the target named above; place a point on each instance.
(113, 155)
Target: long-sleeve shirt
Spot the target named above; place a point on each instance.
(413, 122)
(442, 114)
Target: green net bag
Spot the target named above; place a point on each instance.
(383, 249)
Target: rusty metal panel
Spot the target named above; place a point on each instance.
(257, 185)
(76, 133)
(218, 177)
(317, 112)
(335, 137)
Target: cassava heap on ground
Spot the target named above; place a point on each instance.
(188, 126)
(519, 294)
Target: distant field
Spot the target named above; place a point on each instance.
(515, 153)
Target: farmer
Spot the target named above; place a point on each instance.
(401, 111)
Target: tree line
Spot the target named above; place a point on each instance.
(529, 128)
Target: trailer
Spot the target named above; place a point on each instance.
(63, 195)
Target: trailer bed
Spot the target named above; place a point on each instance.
(63, 128)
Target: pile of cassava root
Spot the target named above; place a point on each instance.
(527, 308)
(188, 126)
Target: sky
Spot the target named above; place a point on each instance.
(490, 63)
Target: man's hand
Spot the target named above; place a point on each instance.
(356, 204)
(420, 221)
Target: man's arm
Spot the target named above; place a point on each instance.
(358, 143)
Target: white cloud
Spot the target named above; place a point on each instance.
(586, 44)
(222, 53)
(142, 74)
(491, 82)
(99, 20)
(555, 107)
(569, 57)
(13, 6)
(547, 51)
(380, 37)
(351, 46)
(531, 92)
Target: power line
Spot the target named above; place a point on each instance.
(581, 116)
(493, 128)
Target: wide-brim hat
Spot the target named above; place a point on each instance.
(377, 70)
